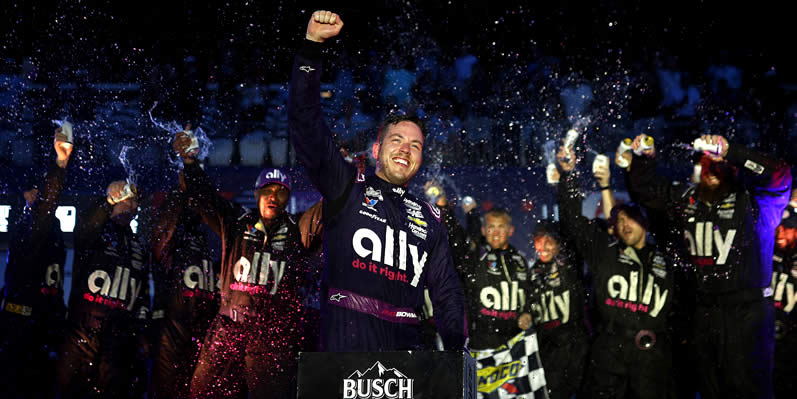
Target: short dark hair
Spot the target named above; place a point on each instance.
(633, 211)
(499, 212)
(547, 228)
(395, 119)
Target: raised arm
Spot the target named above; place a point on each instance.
(165, 223)
(310, 135)
(646, 187)
(602, 174)
(458, 240)
(767, 178)
(590, 239)
(215, 210)
(52, 187)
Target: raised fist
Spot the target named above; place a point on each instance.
(119, 191)
(434, 193)
(63, 149)
(623, 159)
(468, 204)
(181, 144)
(602, 175)
(643, 145)
(713, 140)
(323, 25)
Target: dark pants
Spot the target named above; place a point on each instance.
(27, 348)
(618, 369)
(733, 348)
(98, 359)
(786, 366)
(565, 361)
(176, 356)
(247, 354)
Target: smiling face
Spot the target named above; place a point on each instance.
(785, 237)
(399, 153)
(546, 247)
(497, 229)
(271, 201)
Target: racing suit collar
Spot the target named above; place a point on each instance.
(278, 221)
(386, 186)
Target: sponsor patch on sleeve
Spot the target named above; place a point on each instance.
(754, 167)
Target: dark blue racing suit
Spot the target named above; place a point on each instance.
(382, 244)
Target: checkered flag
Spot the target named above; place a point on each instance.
(513, 370)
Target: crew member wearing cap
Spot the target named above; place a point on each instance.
(108, 303)
(728, 223)
(256, 335)
(784, 287)
(33, 310)
(631, 355)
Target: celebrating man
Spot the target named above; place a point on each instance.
(383, 244)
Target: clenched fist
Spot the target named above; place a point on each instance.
(181, 143)
(63, 148)
(323, 25)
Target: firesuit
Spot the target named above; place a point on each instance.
(495, 285)
(33, 310)
(731, 244)
(108, 310)
(383, 245)
(784, 287)
(556, 301)
(631, 355)
(255, 336)
(186, 281)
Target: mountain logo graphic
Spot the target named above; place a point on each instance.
(377, 382)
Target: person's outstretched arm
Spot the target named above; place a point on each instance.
(52, 187)
(310, 135)
(590, 239)
(215, 210)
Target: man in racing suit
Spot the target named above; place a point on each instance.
(256, 335)
(728, 223)
(494, 278)
(784, 286)
(556, 301)
(187, 302)
(106, 342)
(383, 245)
(631, 355)
(33, 311)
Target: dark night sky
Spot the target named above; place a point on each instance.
(698, 33)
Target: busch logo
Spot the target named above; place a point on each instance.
(377, 382)
(100, 282)
(623, 293)
(196, 277)
(375, 250)
(703, 241)
(258, 270)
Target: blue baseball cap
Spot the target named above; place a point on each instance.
(273, 176)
